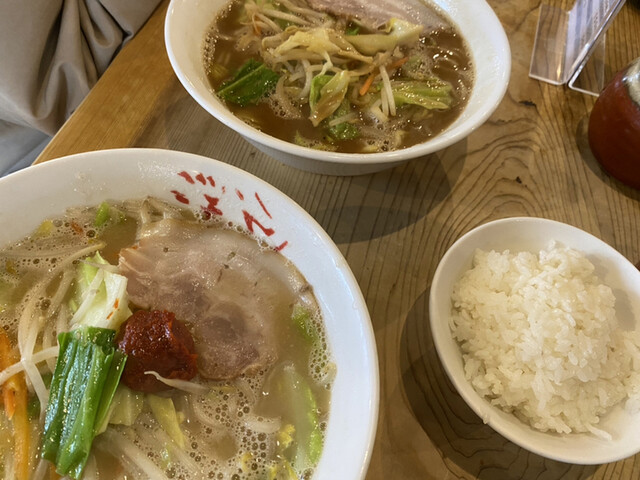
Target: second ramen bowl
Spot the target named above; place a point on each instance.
(188, 21)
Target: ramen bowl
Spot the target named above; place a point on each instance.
(522, 234)
(46, 190)
(188, 21)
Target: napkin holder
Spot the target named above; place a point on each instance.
(569, 46)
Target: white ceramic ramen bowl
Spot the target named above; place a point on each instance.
(612, 269)
(187, 22)
(33, 194)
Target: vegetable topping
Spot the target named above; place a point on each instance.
(86, 376)
(15, 399)
(249, 84)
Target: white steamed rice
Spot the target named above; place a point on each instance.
(540, 339)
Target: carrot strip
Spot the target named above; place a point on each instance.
(398, 63)
(7, 358)
(77, 228)
(9, 399)
(367, 84)
(15, 398)
(53, 475)
(21, 432)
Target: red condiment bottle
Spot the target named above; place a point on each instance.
(614, 126)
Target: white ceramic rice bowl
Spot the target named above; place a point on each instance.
(187, 22)
(612, 268)
(42, 191)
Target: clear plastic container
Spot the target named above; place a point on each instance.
(569, 47)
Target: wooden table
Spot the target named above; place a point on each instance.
(530, 158)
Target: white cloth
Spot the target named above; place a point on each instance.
(51, 53)
(19, 146)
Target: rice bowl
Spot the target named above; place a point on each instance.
(540, 339)
(613, 270)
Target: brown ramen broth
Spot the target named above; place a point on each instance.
(255, 418)
(427, 70)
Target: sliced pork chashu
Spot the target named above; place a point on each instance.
(375, 13)
(221, 283)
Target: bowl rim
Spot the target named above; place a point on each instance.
(218, 110)
(491, 415)
(145, 159)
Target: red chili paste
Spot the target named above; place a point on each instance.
(155, 340)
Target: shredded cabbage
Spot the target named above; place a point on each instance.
(433, 94)
(401, 32)
(316, 40)
(302, 405)
(101, 295)
(165, 413)
(327, 93)
(124, 409)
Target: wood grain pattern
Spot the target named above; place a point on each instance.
(531, 158)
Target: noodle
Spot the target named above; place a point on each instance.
(42, 355)
(110, 441)
(388, 92)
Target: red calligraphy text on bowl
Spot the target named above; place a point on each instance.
(213, 205)
(180, 197)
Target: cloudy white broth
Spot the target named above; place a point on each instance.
(338, 75)
(155, 343)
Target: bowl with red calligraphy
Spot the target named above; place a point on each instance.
(216, 189)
